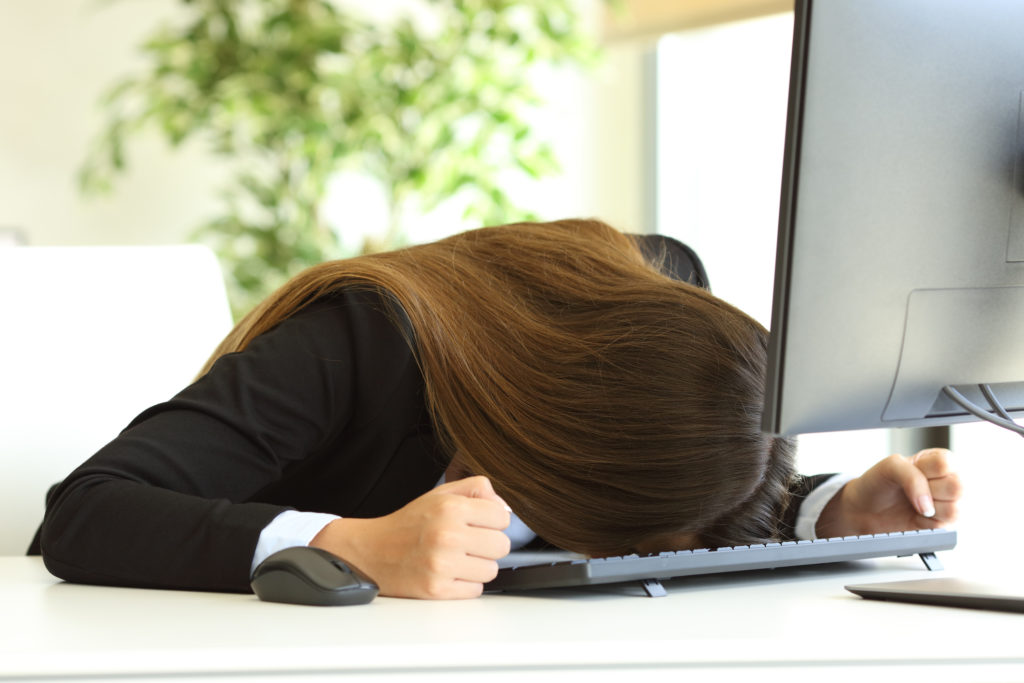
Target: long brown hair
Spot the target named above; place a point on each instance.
(608, 403)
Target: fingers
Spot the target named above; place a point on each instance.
(943, 482)
(913, 481)
(929, 484)
(914, 484)
(486, 544)
(933, 462)
(457, 565)
(446, 543)
(896, 494)
(483, 514)
(474, 501)
(474, 487)
(468, 570)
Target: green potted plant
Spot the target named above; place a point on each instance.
(291, 92)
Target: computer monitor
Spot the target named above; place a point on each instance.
(900, 263)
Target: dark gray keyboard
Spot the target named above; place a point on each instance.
(555, 569)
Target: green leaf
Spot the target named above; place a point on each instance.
(291, 91)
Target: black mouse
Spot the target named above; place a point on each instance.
(311, 576)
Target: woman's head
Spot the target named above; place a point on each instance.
(614, 408)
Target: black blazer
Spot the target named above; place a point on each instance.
(325, 413)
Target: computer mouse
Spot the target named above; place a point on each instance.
(311, 576)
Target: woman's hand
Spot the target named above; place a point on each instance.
(444, 544)
(897, 494)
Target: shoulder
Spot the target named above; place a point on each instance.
(352, 317)
(338, 349)
(363, 327)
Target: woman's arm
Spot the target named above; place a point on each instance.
(173, 500)
(897, 494)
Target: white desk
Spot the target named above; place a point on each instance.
(784, 625)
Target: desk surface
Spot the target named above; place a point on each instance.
(773, 625)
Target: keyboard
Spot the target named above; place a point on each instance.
(558, 569)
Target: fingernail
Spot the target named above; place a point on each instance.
(926, 506)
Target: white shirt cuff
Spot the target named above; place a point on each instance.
(289, 529)
(815, 502)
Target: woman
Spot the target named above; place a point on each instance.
(581, 377)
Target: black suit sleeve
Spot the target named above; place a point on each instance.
(175, 500)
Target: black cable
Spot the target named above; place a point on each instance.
(977, 411)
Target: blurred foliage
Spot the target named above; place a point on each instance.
(293, 91)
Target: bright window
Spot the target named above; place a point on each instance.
(721, 98)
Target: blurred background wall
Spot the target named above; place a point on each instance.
(58, 56)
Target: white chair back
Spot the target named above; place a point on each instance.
(89, 337)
